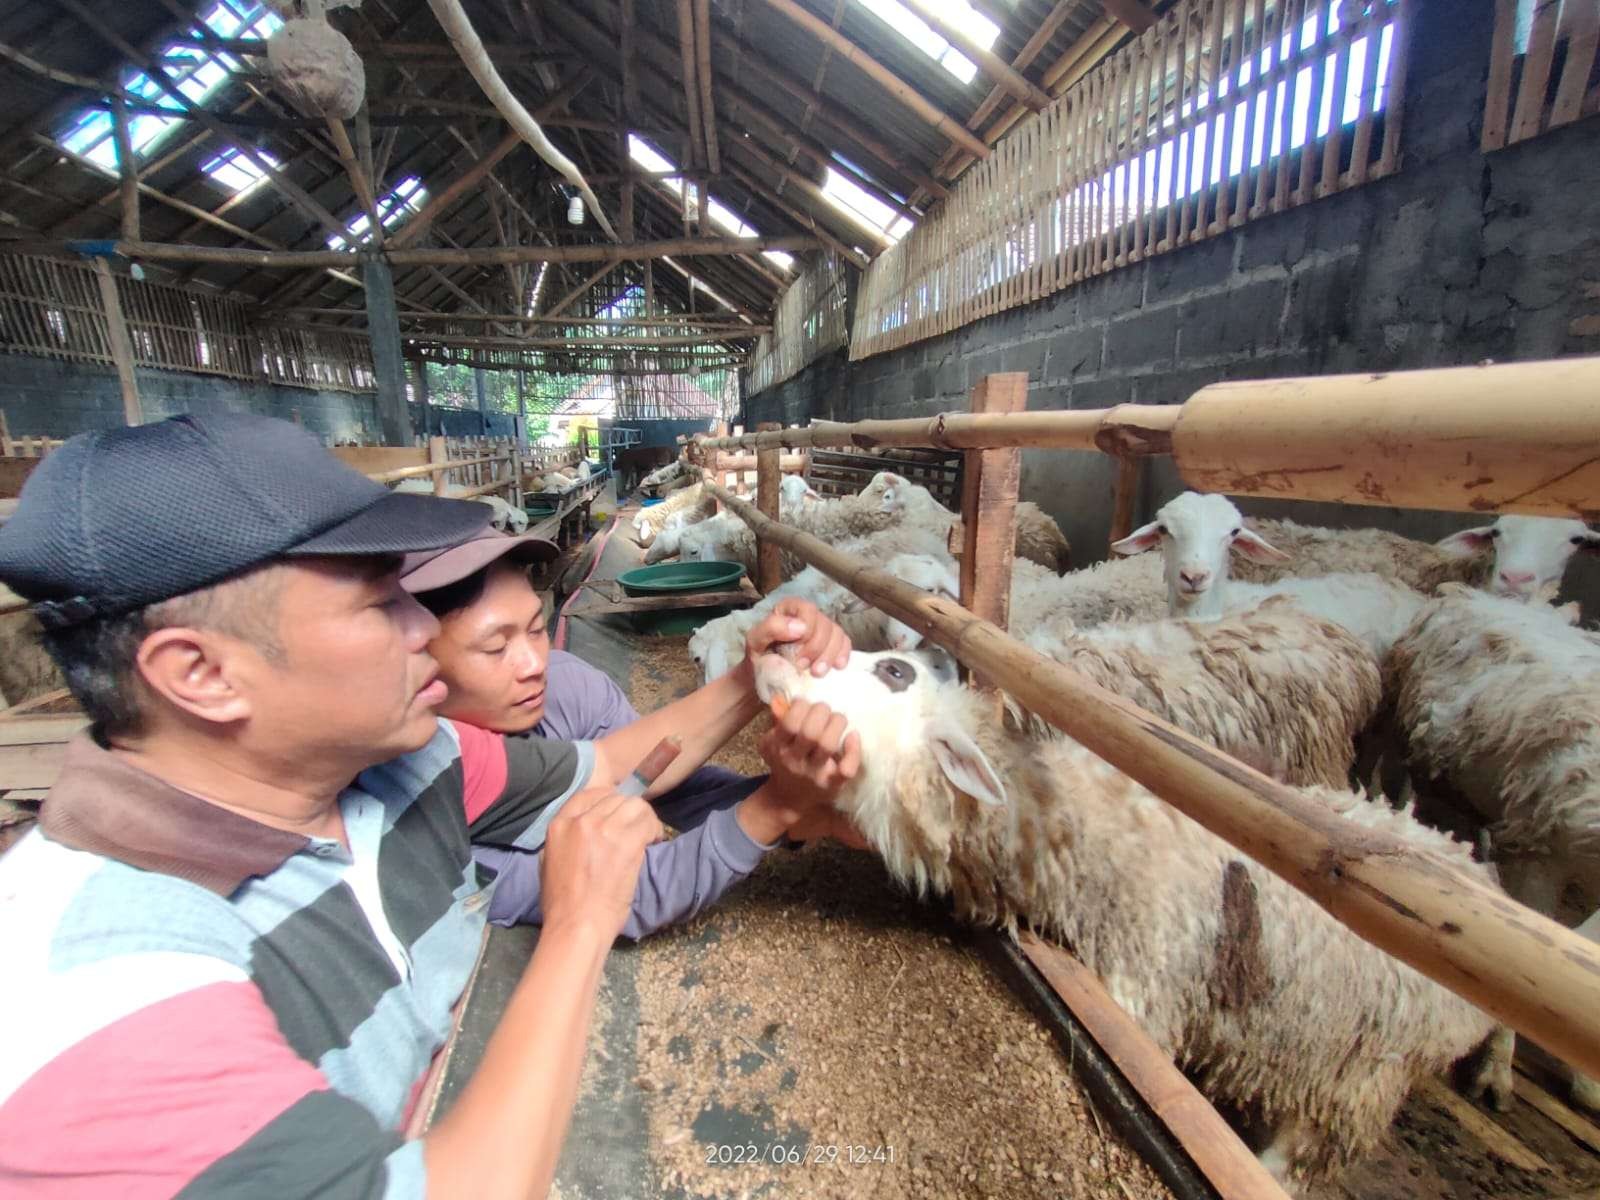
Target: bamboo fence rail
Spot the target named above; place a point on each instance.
(1450, 438)
(1218, 113)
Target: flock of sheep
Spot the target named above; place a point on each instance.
(508, 518)
(1329, 659)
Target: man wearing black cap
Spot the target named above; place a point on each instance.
(237, 934)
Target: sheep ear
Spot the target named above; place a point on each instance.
(1144, 538)
(1255, 547)
(1468, 542)
(812, 494)
(964, 764)
(853, 605)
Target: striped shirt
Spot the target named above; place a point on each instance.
(217, 1007)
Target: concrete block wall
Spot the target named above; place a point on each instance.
(53, 398)
(1457, 258)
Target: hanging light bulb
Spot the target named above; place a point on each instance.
(575, 211)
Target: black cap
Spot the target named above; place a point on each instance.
(118, 519)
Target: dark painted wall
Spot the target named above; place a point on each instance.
(52, 398)
(1457, 258)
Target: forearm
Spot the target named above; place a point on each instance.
(504, 1135)
(679, 878)
(703, 720)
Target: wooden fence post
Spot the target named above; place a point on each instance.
(769, 558)
(1124, 496)
(438, 452)
(121, 347)
(989, 482)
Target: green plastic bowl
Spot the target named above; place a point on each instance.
(538, 511)
(666, 579)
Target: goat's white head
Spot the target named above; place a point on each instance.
(1195, 532)
(1530, 553)
(889, 490)
(902, 704)
(794, 493)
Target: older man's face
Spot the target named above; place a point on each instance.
(355, 674)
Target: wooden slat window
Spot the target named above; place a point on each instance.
(1544, 71)
(809, 322)
(1222, 111)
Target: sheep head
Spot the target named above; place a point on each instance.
(1195, 532)
(1530, 553)
(925, 777)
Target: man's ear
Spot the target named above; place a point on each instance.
(964, 764)
(195, 670)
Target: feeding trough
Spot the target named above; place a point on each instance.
(680, 579)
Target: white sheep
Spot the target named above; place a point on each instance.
(1530, 554)
(1502, 700)
(1196, 533)
(661, 476)
(1275, 1007)
(1039, 539)
(693, 499)
(507, 517)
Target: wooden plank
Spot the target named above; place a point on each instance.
(42, 700)
(1582, 39)
(1574, 1123)
(1499, 1141)
(1124, 496)
(1394, 92)
(1529, 113)
(990, 479)
(1215, 1148)
(769, 558)
(121, 347)
(375, 460)
(14, 470)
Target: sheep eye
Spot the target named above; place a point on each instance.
(896, 674)
(1577, 540)
(1161, 529)
(1235, 532)
(1494, 533)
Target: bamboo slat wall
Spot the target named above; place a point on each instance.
(1130, 161)
(52, 308)
(808, 323)
(1527, 96)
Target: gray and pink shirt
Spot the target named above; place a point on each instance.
(680, 877)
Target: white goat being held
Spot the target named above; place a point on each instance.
(1274, 1005)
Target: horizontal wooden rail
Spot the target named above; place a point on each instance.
(1513, 437)
(1533, 974)
(418, 472)
(1126, 429)
(421, 256)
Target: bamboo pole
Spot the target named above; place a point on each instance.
(458, 28)
(882, 76)
(1127, 428)
(769, 557)
(470, 178)
(987, 61)
(127, 168)
(691, 92)
(121, 346)
(430, 256)
(572, 297)
(1518, 437)
(708, 104)
(1517, 965)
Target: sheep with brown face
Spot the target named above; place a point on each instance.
(1275, 1006)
